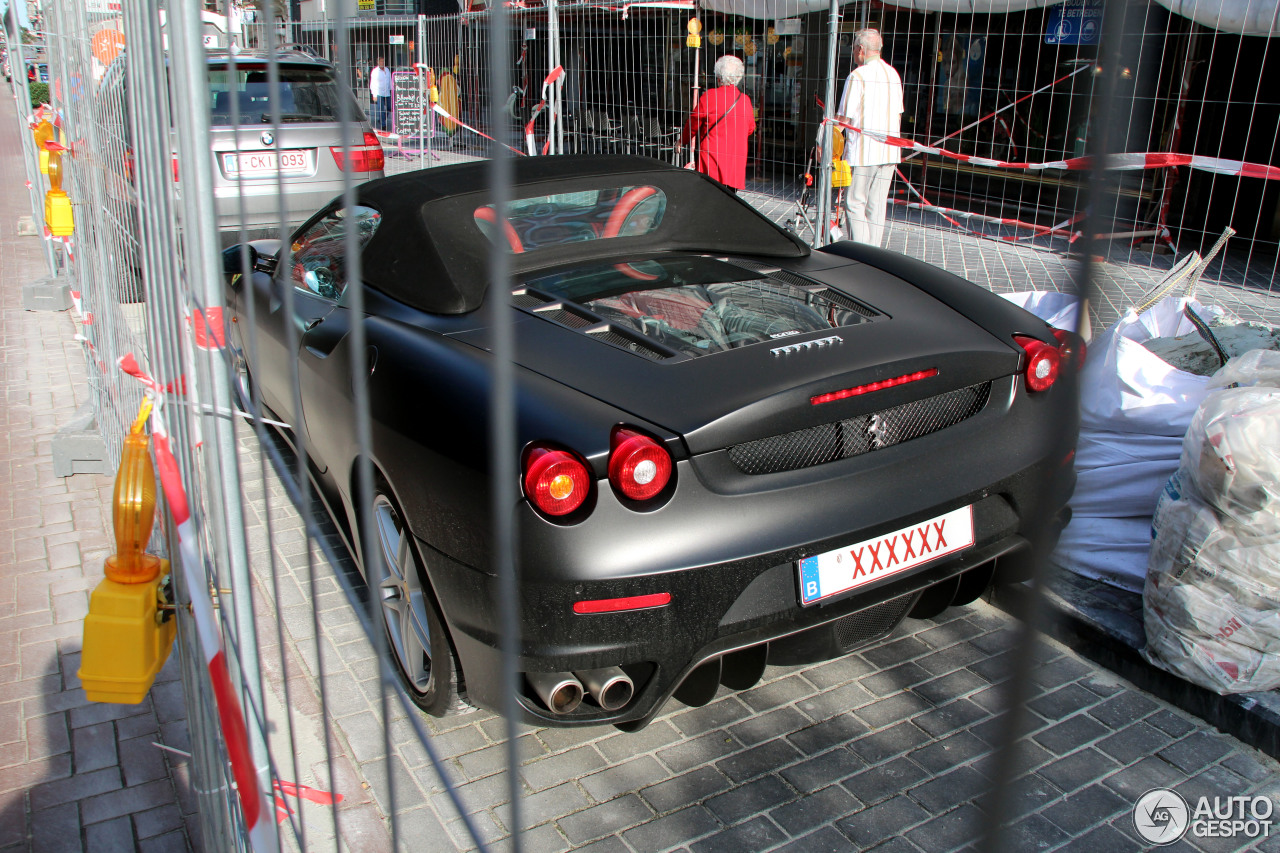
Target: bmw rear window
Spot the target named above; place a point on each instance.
(306, 93)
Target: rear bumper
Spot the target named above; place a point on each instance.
(262, 200)
(715, 610)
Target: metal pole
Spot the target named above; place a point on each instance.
(820, 235)
(693, 140)
(30, 156)
(203, 262)
(424, 100)
(556, 134)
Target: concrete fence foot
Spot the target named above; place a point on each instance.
(51, 293)
(79, 448)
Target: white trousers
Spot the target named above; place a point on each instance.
(866, 199)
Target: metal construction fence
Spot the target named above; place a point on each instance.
(291, 692)
(1002, 100)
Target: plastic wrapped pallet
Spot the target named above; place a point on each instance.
(1212, 594)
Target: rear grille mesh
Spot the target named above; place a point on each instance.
(866, 625)
(612, 337)
(566, 318)
(526, 300)
(751, 265)
(845, 302)
(824, 443)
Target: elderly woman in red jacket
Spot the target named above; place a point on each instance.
(721, 122)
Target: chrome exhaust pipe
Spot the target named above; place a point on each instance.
(560, 691)
(609, 686)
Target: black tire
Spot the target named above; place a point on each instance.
(418, 640)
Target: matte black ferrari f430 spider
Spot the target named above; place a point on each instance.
(732, 450)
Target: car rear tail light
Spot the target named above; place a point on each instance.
(1043, 362)
(614, 605)
(639, 467)
(556, 481)
(364, 158)
(1071, 347)
(175, 168)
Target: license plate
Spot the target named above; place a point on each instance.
(264, 163)
(835, 572)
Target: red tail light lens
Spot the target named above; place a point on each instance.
(367, 157)
(556, 481)
(1071, 347)
(175, 168)
(639, 467)
(1043, 362)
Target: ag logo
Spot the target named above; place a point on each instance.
(1161, 816)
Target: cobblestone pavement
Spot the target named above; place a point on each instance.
(73, 775)
(889, 748)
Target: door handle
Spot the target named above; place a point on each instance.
(312, 323)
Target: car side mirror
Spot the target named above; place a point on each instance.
(231, 259)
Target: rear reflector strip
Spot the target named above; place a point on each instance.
(613, 605)
(858, 390)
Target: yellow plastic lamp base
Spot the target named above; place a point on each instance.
(841, 173)
(57, 214)
(125, 646)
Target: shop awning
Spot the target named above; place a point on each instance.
(1246, 17)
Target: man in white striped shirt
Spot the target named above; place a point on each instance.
(872, 100)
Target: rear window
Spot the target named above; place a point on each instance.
(305, 93)
(552, 220)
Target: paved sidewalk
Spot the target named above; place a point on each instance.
(73, 775)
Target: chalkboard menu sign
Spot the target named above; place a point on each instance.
(406, 103)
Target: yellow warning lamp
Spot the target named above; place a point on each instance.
(133, 511)
(695, 28)
(129, 631)
(43, 133)
(57, 205)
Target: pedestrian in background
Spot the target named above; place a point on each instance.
(721, 121)
(380, 91)
(872, 100)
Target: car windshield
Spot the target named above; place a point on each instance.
(551, 220)
(699, 305)
(305, 93)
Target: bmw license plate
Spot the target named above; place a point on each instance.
(835, 572)
(260, 163)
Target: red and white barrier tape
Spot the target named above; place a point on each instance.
(442, 111)
(1117, 162)
(1062, 229)
(552, 79)
(253, 801)
(302, 792)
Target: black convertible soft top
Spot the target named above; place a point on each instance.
(428, 251)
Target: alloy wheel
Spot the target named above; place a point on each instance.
(403, 600)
